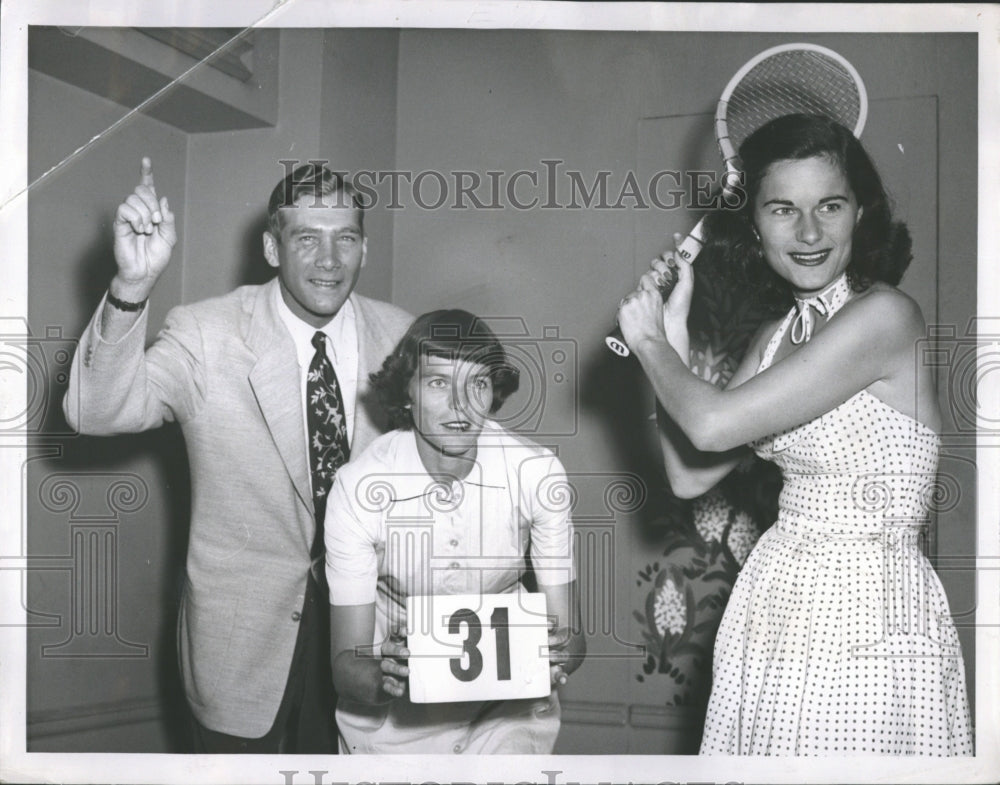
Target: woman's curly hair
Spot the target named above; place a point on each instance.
(454, 335)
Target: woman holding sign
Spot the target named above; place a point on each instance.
(837, 638)
(450, 506)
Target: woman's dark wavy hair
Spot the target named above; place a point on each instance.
(452, 334)
(880, 249)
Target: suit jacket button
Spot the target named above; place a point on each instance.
(296, 616)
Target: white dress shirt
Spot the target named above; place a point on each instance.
(513, 505)
(341, 348)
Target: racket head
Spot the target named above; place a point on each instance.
(797, 78)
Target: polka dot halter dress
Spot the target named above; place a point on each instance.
(837, 639)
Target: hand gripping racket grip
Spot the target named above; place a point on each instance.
(689, 249)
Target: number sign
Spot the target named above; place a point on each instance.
(466, 647)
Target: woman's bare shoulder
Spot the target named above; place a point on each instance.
(889, 311)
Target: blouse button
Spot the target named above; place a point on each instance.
(296, 616)
(453, 543)
(454, 565)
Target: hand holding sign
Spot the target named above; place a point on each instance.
(394, 669)
(559, 638)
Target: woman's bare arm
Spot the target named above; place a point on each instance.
(870, 340)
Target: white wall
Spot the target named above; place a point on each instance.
(71, 263)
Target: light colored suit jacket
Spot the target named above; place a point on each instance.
(226, 370)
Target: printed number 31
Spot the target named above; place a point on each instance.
(470, 649)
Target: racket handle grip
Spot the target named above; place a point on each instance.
(689, 249)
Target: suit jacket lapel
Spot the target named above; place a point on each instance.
(275, 382)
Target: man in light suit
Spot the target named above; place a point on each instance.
(253, 634)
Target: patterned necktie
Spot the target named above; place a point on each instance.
(826, 303)
(328, 446)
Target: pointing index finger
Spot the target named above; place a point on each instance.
(146, 180)
(146, 172)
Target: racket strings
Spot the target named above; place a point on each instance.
(796, 81)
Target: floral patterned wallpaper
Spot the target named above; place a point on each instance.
(705, 541)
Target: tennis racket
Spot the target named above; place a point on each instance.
(786, 79)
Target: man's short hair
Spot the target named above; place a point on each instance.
(315, 180)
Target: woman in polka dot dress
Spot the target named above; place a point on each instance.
(837, 638)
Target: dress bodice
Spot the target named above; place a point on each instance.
(856, 468)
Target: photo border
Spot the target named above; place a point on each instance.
(18, 765)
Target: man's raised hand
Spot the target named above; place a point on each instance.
(144, 237)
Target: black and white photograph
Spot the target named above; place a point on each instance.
(539, 392)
